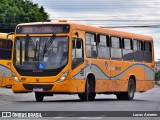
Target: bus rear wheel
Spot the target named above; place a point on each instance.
(39, 96)
(89, 93)
(129, 95)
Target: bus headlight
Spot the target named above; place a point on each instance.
(15, 78)
(63, 77)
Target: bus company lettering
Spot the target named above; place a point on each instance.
(114, 68)
(109, 67)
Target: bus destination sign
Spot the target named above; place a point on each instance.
(42, 29)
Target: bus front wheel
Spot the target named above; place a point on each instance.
(39, 96)
(129, 95)
(89, 93)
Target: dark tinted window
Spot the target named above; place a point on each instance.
(5, 49)
(147, 46)
(147, 52)
(138, 50)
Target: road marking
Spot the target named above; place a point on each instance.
(58, 117)
(92, 118)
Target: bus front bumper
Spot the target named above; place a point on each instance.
(67, 86)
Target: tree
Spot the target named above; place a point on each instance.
(13, 12)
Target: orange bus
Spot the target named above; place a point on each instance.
(5, 59)
(69, 58)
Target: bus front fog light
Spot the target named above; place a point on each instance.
(63, 77)
(15, 78)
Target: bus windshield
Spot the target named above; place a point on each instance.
(41, 53)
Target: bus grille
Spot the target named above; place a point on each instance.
(45, 87)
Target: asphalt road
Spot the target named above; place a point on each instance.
(147, 101)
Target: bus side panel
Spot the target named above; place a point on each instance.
(122, 71)
(100, 69)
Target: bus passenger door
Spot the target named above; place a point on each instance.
(78, 63)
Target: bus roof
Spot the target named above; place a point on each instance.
(96, 29)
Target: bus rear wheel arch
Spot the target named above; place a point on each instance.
(129, 95)
(89, 93)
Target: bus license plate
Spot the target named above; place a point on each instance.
(37, 89)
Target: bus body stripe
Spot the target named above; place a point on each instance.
(143, 66)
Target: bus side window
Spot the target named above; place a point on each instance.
(138, 50)
(91, 50)
(116, 52)
(5, 49)
(147, 51)
(103, 47)
(127, 51)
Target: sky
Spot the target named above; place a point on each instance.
(125, 15)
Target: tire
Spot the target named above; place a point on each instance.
(39, 96)
(89, 93)
(129, 95)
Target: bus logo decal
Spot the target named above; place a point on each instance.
(41, 66)
(37, 79)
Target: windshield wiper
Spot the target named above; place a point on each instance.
(30, 41)
(48, 44)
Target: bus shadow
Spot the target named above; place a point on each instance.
(78, 100)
